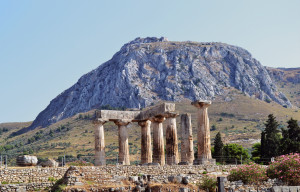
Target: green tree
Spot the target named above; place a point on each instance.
(233, 152)
(218, 148)
(256, 153)
(270, 141)
(291, 138)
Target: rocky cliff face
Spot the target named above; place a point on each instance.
(147, 70)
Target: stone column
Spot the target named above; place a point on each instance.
(158, 141)
(146, 149)
(171, 140)
(187, 146)
(203, 137)
(99, 142)
(123, 142)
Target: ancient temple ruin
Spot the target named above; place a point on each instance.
(154, 117)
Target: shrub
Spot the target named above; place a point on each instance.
(286, 168)
(209, 183)
(249, 174)
(52, 179)
(234, 151)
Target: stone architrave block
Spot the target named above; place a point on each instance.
(116, 115)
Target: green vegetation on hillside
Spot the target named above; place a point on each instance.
(239, 120)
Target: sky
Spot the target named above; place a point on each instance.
(46, 46)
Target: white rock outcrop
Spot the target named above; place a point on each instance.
(27, 160)
(147, 70)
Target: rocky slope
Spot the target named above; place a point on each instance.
(147, 70)
(291, 75)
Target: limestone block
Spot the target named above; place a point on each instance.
(26, 160)
(116, 115)
(50, 163)
(157, 110)
(293, 188)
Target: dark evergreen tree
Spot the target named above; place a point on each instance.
(270, 139)
(291, 138)
(262, 144)
(218, 148)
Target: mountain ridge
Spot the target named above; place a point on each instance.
(147, 70)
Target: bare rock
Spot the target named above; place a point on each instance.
(148, 70)
(27, 160)
(50, 163)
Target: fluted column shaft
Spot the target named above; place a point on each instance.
(99, 143)
(171, 140)
(204, 147)
(123, 142)
(158, 141)
(146, 149)
(187, 146)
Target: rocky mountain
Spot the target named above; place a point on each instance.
(147, 70)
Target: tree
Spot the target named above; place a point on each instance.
(218, 148)
(290, 142)
(234, 152)
(256, 153)
(270, 141)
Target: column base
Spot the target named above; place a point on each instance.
(100, 158)
(205, 161)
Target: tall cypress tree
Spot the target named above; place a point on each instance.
(291, 138)
(271, 143)
(218, 152)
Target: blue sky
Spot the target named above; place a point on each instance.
(46, 46)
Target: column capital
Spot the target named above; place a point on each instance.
(122, 122)
(171, 115)
(143, 123)
(201, 103)
(100, 121)
(158, 119)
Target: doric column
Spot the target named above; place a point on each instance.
(187, 146)
(204, 148)
(99, 142)
(123, 142)
(171, 140)
(146, 149)
(158, 141)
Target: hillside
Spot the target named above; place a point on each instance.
(288, 82)
(149, 70)
(238, 117)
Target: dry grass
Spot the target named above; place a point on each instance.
(245, 121)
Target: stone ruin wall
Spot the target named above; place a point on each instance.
(37, 178)
(32, 179)
(40, 175)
